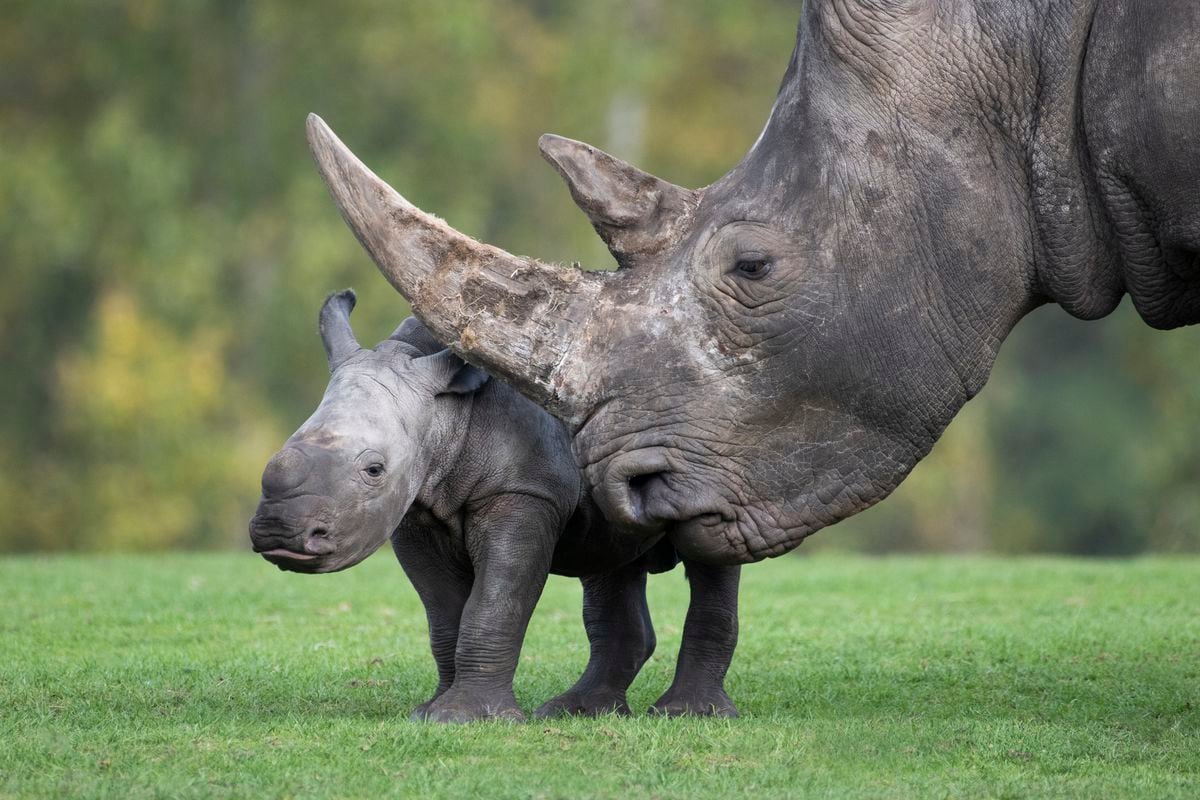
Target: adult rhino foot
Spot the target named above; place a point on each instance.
(468, 706)
(585, 703)
(695, 703)
(418, 713)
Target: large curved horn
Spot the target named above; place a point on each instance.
(514, 316)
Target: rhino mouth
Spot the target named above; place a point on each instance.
(291, 544)
(749, 533)
(653, 491)
(293, 561)
(286, 555)
(709, 538)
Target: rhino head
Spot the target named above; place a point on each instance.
(779, 349)
(344, 480)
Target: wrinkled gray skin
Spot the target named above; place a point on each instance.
(478, 492)
(781, 348)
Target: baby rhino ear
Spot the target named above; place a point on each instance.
(452, 374)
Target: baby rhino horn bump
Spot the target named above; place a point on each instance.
(516, 317)
(286, 470)
(634, 212)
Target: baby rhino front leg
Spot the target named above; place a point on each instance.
(510, 540)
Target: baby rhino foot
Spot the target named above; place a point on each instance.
(471, 706)
(585, 703)
(712, 702)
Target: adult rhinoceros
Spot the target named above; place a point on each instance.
(779, 349)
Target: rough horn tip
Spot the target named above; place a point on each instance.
(346, 176)
(321, 138)
(315, 126)
(554, 147)
(546, 142)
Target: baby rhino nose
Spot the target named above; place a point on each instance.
(286, 470)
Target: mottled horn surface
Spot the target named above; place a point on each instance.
(514, 316)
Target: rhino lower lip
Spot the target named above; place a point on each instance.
(279, 552)
(703, 522)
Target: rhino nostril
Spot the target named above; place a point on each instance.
(641, 488)
(637, 482)
(634, 485)
(318, 542)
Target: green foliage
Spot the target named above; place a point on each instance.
(218, 676)
(166, 243)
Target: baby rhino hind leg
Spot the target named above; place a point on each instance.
(709, 638)
(621, 638)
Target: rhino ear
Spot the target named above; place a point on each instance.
(416, 339)
(452, 375)
(634, 212)
(334, 323)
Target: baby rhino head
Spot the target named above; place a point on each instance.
(344, 480)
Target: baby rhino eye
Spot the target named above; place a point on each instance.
(753, 268)
(375, 470)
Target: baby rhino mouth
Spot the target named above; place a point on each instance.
(299, 547)
(281, 556)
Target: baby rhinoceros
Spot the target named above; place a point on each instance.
(479, 493)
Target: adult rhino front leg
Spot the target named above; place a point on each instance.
(709, 638)
(510, 540)
(621, 639)
(443, 587)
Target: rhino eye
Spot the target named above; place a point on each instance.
(374, 471)
(753, 268)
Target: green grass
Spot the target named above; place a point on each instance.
(217, 676)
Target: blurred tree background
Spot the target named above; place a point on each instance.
(166, 242)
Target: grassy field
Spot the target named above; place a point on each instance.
(217, 676)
